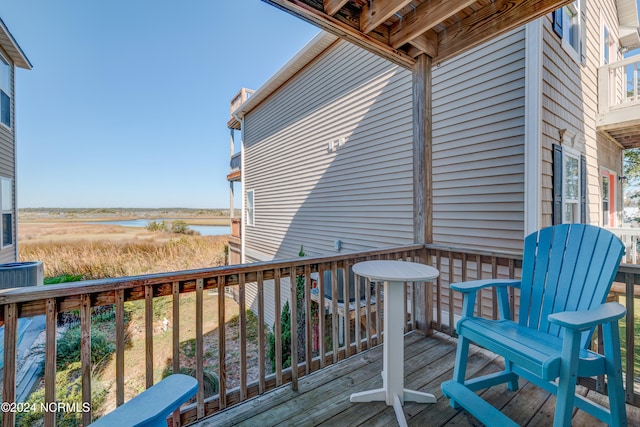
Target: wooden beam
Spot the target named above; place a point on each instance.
(331, 7)
(422, 150)
(423, 18)
(342, 30)
(426, 43)
(494, 19)
(375, 12)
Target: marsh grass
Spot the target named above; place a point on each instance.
(98, 259)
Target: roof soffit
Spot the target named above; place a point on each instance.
(401, 30)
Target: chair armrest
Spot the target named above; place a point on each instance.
(587, 319)
(474, 285)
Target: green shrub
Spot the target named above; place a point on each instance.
(68, 393)
(68, 348)
(62, 279)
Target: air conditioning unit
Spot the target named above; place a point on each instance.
(21, 274)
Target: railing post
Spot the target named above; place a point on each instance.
(9, 370)
(51, 317)
(85, 354)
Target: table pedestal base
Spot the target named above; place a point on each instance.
(383, 395)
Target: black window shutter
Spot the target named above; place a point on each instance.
(557, 184)
(557, 22)
(583, 189)
(583, 32)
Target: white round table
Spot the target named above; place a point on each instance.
(394, 274)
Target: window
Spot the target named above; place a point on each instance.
(606, 45)
(5, 92)
(571, 189)
(569, 186)
(250, 208)
(6, 210)
(608, 198)
(569, 23)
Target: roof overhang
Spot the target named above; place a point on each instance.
(9, 44)
(628, 21)
(402, 30)
(308, 53)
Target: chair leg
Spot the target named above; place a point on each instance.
(512, 384)
(617, 406)
(460, 368)
(567, 380)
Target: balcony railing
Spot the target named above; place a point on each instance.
(323, 340)
(235, 162)
(630, 238)
(619, 99)
(242, 95)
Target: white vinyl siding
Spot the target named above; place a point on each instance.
(478, 146)
(308, 193)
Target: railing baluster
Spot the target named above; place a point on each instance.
(321, 316)
(451, 295)
(294, 327)
(357, 321)
(494, 293)
(9, 369)
(308, 333)
(51, 319)
(148, 334)
(222, 348)
(367, 312)
(346, 311)
(479, 277)
(379, 312)
(630, 336)
(261, 338)
(242, 326)
(200, 347)
(334, 309)
(278, 326)
(175, 338)
(439, 292)
(120, 344)
(85, 354)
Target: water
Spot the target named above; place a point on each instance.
(204, 230)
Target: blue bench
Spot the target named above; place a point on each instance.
(152, 407)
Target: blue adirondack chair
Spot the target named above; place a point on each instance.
(567, 271)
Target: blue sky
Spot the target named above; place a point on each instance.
(128, 100)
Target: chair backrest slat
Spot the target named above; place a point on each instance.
(567, 267)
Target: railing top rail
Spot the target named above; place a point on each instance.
(627, 61)
(447, 248)
(18, 295)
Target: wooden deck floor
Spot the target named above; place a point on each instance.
(323, 396)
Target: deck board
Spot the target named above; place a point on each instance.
(322, 398)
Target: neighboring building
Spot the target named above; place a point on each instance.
(519, 141)
(11, 56)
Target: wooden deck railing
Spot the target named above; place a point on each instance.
(315, 344)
